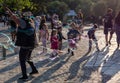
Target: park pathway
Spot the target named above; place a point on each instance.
(83, 67)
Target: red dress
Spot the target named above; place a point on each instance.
(54, 42)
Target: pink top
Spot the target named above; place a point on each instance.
(54, 42)
(72, 43)
(43, 34)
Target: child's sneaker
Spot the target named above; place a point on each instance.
(72, 53)
(98, 50)
(52, 57)
(68, 51)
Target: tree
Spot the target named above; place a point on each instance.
(86, 7)
(72, 3)
(58, 7)
(18, 4)
(99, 9)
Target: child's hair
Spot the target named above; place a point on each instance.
(46, 27)
(59, 28)
(72, 24)
(95, 26)
(53, 32)
(109, 10)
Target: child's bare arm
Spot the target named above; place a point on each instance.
(47, 35)
(15, 18)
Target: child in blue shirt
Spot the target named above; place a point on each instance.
(91, 35)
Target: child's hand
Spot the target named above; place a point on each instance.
(48, 38)
(85, 35)
(65, 38)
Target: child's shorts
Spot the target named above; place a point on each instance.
(91, 36)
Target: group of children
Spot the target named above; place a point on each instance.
(73, 36)
(55, 39)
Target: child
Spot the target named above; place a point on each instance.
(42, 21)
(60, 37)
(54, 43)
(91, 35)
(73, 37)
(13, 30)
(44, 36)
(72, 44)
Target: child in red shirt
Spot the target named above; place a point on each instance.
(54, 43)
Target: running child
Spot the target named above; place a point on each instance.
(91, 35)
(73, 37)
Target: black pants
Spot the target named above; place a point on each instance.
(60, 45)
(25, 56)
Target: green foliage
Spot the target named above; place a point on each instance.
(17, 4)
(89, 7)
(58, 7)
(99, 9)
(86, 6)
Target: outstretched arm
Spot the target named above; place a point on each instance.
(14, 17)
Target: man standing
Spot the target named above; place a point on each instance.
(108, 25)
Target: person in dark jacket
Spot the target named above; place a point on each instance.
(60, 37)
(26, 41)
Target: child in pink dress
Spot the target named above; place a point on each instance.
(44, 36)
(54, 43)
(72, 44)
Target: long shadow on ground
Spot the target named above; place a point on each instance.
(111, 66)
(38, 65)
(48, 74)
(74, 68)
(87, 71)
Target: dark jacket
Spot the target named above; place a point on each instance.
(60, 36)
(26, 36)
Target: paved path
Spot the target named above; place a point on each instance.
(106, 62)
(83, 67)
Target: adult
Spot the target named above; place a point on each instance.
(26, 41)
(108, 25)
(55, 22)
(117, 28)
